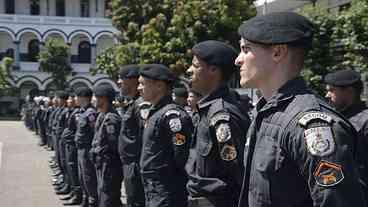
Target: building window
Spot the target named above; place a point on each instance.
(10, 53)
(60, 8)
(84, 52)
(84, 5)
(9, 7)
(108, 10)
(33, 50)
(35, 7)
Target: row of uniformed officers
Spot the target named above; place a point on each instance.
(298, 150)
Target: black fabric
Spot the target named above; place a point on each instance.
(343, 78)
(278, 28)
(84, 92)
(129, 71)
(106, 91)
(157, 72)
(216, 53)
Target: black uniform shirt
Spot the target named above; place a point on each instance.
(299, 152)
(86, 127)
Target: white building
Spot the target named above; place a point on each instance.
(25, 25)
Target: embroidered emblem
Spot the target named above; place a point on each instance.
(320, 141)
(110, 129)
(223, 132)
(170, 112)
(144, 113)
(175, 124)
(328, 174)
(220, 117)
(179, 139)
(91, 118)
(228, 152)
(306, 118)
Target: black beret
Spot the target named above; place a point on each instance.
(180, 92)
(342, 78)
(278, 28)
(105, 90)
(216, 53)
(129, 71)
(157, 72)
(84, 92)
(62, 95)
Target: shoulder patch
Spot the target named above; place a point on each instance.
(175, 124)
(328, 174)
(228, 152)
(223, 132)
(110, 129)
(179, 139)
(306, 118)
(220, 117)
(170, 112)
(320, 141)
(144, 113)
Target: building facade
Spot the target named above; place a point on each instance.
(25, 26)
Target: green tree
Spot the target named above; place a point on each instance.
(54, 59)
(163, 31)
(5, 73)
(340, 42)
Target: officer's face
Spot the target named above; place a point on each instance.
(192, 100)
(337, 96)
(70, 102)
(201, 73)
(128, 85)
(253, 61)
(101, 102)
(149, 89)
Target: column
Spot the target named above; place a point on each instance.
(2, 7)
(93, 55)
(69, 53)
(17, 55)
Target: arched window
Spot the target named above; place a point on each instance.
(9, 7)
(35, 7)
(9, 53)
(84, 6)
(84, 52)
(60, 8)
(33, 50)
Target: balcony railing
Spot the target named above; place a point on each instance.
(54, 20)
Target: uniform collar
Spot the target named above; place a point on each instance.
(290, 89)
(163, 102)
(220, 92)
(354, 109)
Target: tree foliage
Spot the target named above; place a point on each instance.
(5, 74)
(340, 42)
(163, 31)
(54, 59)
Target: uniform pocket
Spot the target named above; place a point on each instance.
(268, 157)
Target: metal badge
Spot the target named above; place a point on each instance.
(175, 124)
(110, 129)
(223, 132)
(228, 152)
(320, 141)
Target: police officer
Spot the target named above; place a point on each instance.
(192, 100)
(344, 88)
(217, 171)
(299, 151)
(75, 198)
(166, 140)
(130, 139)
(180, 96)
(57, 128)
(104, 149)
(83, 139)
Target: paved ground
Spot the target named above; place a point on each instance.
(24, 172)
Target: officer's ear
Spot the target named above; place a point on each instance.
(279, 52)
